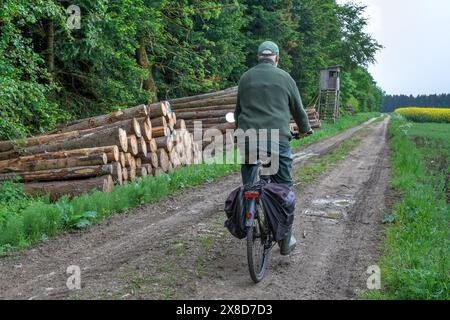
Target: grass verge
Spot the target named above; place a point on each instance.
(24, 221)
(330, 129)
(415, 260)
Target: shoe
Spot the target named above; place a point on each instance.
(288, 244)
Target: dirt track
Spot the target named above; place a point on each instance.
(178, 248)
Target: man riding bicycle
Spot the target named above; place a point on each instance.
(267, 96)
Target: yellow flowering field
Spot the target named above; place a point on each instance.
(425, 114)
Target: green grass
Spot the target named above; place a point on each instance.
(25, 220)
(415, 261)
(330, 129)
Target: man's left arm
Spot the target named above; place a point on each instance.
(297, 110)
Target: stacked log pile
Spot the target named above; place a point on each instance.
(99, 151)
(313, 117)
(210, 109)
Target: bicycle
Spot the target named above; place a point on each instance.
(260, 240)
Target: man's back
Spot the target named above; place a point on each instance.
(267, 96)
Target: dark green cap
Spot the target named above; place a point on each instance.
(268, 48)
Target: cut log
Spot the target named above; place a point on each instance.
(181, 124)
(73, 188)
(152, 146)
(107, 137)
(149, 169)
(225, 92)
(112, 154)
(122, 159)
(151, 159)
(163, 159)
(157, 172)
(132, 174)
(138, 163)
(146, 128)
(30, 164)
(218, 101)
(142, 172)
(130, 162)
(159, 122)
(61, 174)
(160, 132)
(217, 120)
(203, 114)
(227, 108)
(125, 175)
(142, 147)
(164, 142)
(33, 141)
(117, 172)
(158, 109)
(98, 121)
(133, 145)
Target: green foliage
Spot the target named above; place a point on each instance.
(51, 73)
(25, 83)
(415, 262)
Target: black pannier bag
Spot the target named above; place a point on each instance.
(234, 208)
(278, 201)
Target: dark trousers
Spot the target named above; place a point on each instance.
(249, 172)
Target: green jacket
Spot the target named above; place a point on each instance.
(267, 96)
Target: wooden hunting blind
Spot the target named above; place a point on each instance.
(329, 93)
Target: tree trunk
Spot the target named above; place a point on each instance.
(29, 164)
(61, 174)
(73, 188)
(142, 58)
(50, 55)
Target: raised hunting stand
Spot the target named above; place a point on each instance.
(329, 93)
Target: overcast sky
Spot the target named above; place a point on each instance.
(416, 37)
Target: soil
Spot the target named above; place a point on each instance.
(178, 248)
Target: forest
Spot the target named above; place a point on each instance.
(118, 54)
(392, 102)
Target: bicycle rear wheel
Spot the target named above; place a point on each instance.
(258, 247)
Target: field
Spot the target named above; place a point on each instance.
(415, 262)
(425, 114)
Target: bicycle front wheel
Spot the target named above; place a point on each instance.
(258, 248)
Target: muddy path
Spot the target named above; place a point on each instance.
(178, 247)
